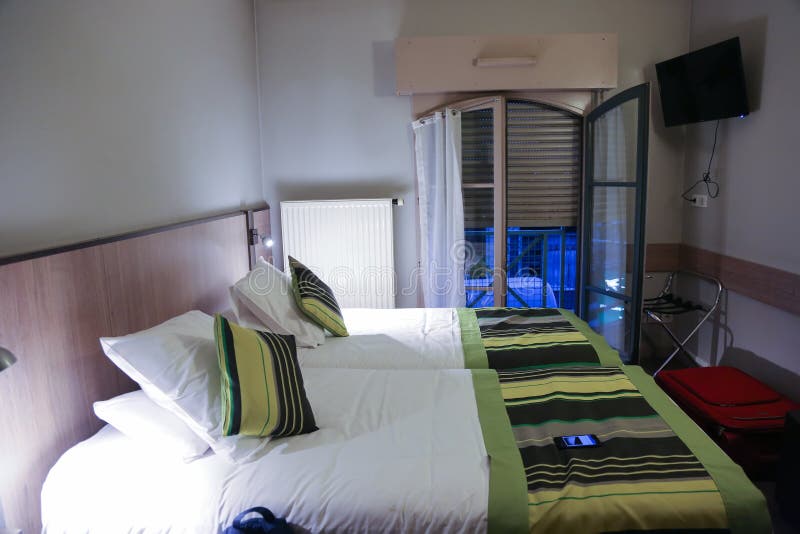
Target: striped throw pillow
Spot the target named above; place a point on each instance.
(316, 299)
(262, 387)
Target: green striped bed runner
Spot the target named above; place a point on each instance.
(514, 338)
(655, 471)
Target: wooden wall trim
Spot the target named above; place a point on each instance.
(662, 257)
(27, 256)
(769, 285)
(778, 288)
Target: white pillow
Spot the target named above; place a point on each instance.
(241, 315)
(267, 294)
(175, 363)
(144, 421)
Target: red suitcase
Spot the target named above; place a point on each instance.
(744, 416)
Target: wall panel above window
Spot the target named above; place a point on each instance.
(506, 62)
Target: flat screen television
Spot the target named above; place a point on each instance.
(707, 84)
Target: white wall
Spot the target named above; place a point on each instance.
(117, 115)
(756, 164)
(332, 126)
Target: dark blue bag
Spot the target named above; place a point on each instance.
(266, 524)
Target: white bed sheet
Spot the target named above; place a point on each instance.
(397, 451)
(403, 338)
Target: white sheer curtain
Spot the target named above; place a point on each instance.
(437, 146)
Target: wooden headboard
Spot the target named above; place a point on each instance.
(54, 305)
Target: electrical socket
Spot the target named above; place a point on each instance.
(700, 201)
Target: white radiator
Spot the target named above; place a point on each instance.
(349, 244)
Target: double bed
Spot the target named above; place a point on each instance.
(422, 429)
(436, 420)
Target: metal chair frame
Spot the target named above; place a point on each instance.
(668, 304)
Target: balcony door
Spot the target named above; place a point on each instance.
(483, 182)
(521, 178)
(612, 265)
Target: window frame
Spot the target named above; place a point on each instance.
(497, 104)
(578, 103)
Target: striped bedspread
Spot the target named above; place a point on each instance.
(547, 374)
(527, 338)
(642, 477)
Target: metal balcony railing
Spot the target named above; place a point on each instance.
(541, 267)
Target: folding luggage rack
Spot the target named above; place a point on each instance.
(667, 303)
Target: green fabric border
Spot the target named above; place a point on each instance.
(608, 356)
(744, 503)
(474, 351)
(508, 487)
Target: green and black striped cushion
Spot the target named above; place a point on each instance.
(262, 387)
(316, 299)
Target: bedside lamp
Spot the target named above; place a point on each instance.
(6, 359)
(255, 238)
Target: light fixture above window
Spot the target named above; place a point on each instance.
(517, 61)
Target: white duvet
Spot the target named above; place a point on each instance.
(408, 338)
(397, 451)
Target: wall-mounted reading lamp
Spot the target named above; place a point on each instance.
(6, 359)
(258, 222)
(256, 238)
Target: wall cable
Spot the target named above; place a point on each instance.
(712, 186)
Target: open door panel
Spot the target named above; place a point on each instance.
(615, 182)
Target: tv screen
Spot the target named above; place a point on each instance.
(703, 85)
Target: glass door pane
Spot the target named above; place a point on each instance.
(616, 143)
(479, 236)
(477, 147)
(478, 164)
(613, 227)
(544, 163)
(542, 265)
(610, 318)
(613, 233)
